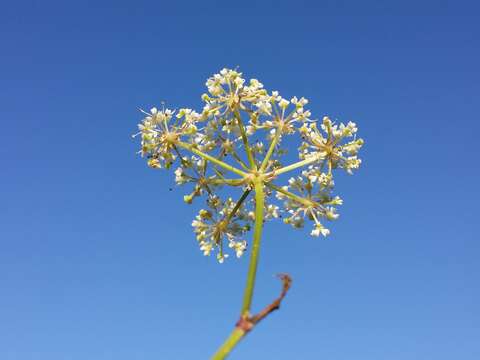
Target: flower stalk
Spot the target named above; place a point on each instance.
(248, 150)
(211, 158)
(257, 237)
(297, 165)
(239, 332)
(271, 149)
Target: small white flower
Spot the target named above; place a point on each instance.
(180, 177)
(264, 107)
(283, 103)
(272, 211)
(238, 246)
(221, 257)
(320, 230)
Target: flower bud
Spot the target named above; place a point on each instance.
(188, 198)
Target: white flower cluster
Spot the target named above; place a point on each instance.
(240, 131)
(336, 146)
(314, 187)
(213, 225)
(159, 134)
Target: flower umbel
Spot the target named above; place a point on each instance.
(238, 142)
(226, 137)
(221, 221)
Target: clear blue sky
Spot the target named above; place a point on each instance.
(98, 260)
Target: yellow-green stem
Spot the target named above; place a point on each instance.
(270, 149)
(292, 196)
(248, 150)
(257, 236)
(210, 158)
(238, 333)
(232, 341)
(232, 182)
(298, 164)
(238, 204)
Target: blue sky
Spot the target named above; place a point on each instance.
(98, 259)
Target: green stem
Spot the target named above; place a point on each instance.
(239, 160)
(245, 139)
(292, 195)
(238, 333)
(270, 149)
(211, 158)
(298, 164)
(257, 236)
(238, 204)
(232, 182)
